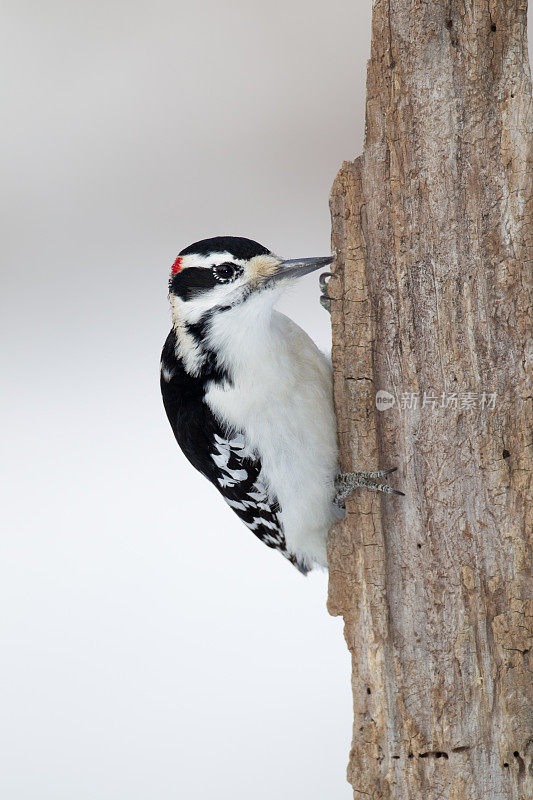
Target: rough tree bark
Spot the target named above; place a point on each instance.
(432, 229)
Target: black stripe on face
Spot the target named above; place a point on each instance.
(192, 281)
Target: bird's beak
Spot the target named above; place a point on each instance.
(296, 267)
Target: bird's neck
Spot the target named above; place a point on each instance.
(227, 339)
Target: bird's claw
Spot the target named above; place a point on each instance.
(325, 299)
(346, 482)
(323, 280)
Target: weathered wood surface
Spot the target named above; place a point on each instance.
(432, 226)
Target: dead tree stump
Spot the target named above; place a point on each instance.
(432, 309)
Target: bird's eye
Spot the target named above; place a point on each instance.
(224, 273)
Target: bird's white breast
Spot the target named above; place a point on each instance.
(280, 398)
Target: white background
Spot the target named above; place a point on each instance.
(151, 646)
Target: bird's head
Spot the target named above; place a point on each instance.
(224, 272)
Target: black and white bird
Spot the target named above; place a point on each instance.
(249, 395)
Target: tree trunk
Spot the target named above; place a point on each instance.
(432, 231)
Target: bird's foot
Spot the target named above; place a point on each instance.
(346, 482)
(325, 299)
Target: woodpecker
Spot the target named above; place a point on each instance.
(249, 395)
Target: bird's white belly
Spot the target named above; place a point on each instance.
(283, 405)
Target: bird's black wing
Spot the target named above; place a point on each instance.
(222, 456)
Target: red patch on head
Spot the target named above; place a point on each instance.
(176, 266)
